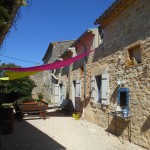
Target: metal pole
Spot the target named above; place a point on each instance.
(84, 74)
(84, 82)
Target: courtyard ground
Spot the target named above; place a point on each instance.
(60, 132)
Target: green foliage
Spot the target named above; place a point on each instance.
(3, 14)
(6, 7)
(16, 89)
(24, 3)
(40, 96)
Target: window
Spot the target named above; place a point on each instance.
(134, 55)
(56, 95)
(123, 97)
(100, 89)
(78, 88)
(76, 92)
(101, 33)
(62, 92)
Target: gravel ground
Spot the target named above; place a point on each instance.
(60, 132)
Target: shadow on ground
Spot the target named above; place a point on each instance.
(51, 112)
(27, 137)
(57, 113)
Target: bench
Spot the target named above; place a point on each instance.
(34, 109)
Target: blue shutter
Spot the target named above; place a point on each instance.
(78, 88)
(105, 89)
(92, 87)
(64, 90)
(56, 94)
(119, 96)
(127, 99)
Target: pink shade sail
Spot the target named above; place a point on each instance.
(51, 66)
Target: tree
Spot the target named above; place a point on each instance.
(16, 89)
(9, 13)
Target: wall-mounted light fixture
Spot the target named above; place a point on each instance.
(119, 79)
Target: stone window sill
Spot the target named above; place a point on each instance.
(99, 105)
(94, 104)
(131, 66)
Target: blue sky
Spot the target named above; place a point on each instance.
(43, 22)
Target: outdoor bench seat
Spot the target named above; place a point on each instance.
(34, 109)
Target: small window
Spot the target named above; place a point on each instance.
(96, 89)
(100, 89)
(78, 88)
(123, 97)
(101, 33)
(134, 56)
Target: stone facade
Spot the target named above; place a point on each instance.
(124, 53)
(43, 80)
(41, 87)
(123, 33)
(73, 76)
(121, 52)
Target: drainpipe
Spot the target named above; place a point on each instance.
(70, 69)
(69, 81)
(84, 80)
(69, 78)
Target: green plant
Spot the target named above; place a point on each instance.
(3, 15)
(24, 3)
(16, 89)
(40, 96)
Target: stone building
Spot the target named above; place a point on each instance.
(40, 88)
(72, 79)
(116, 76)
(80, 71)
(52, 54)
(123, 60)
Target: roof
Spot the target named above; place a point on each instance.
(58, 47)
(50, 47)
(88, 33)
(115, 9)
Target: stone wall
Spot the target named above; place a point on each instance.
(124, 32)
(138, 81)
(41, 87)
(44, 79)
